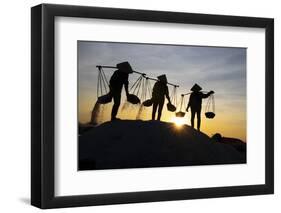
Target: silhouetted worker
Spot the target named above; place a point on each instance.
(160, 90)
(195, 103)
(118, 79)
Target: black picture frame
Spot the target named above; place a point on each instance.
(43, 117)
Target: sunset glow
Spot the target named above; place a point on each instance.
(178, 121)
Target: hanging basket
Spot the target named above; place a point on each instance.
(180, 114)
(137, 91)
(210, 115)
(133, 99)
(210, 108)
(103, 93)
(105, 99)
(147, 103)
(171, 107)
(146, 91)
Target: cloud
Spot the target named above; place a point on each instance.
(220, 69)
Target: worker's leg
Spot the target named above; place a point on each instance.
(160, 108)
(192, 118)
(198, 119)
(116, 99)
(154, 108)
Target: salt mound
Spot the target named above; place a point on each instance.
(138, 144)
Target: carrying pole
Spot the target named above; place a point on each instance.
(191, 92)
(154, 79)
(143, 74)
(112, 67)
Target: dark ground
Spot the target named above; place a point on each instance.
(140, 144)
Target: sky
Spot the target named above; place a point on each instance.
(221, 69)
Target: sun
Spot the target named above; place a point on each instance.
(178, 121)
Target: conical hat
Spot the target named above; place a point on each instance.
(125, 67)
(162, 78)
(196, 88)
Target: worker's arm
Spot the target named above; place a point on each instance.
(189, 103)
(208, 94)
(126, 85)
(167, 94)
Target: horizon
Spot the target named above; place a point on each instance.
(222, 69)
